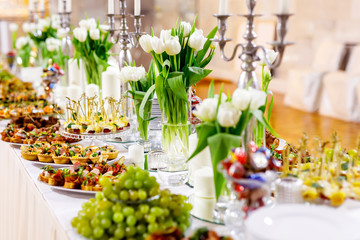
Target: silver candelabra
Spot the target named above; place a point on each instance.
(127, 40)
(34, 14)
(249, 55)
(66, 44)
(122, 36)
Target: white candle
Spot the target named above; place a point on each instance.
(42, 5)
(60, 6)
(110, 83)
(68, 6)
(74, 92)
(283, 6)
(203, 207)
(111, 7)
(31, 5)
(137, 7)
(74, 72)
(136, 155)
(204, 183)
(223, 6)
(92, 90)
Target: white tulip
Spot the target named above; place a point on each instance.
(241, 99)
(94, 34)
(129, 73)
(206, 111)
(258, 98)
(172, 46)
(52, 44)
(61, 33)
(104, 27)
(165, 35)
(157, 45)
(13, 27)
(92, 23)
(187, 28)
(80, 34)
(145, 43)
(197, 40)
(55, 24)
(83, 23)
(272, 55)
(21, 42)
(223, 97)
(26, 27)
(88, 23)
(43, 24)
(228, 115)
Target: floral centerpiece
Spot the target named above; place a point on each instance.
(180, 55)
(142, 91)
(224, 122)
(46, 28)
(24, 47)
(92, 46)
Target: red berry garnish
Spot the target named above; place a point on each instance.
(106, 130)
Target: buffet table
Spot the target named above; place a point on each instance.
(30, 209)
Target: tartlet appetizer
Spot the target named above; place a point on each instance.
(45, 175)
(46, 155)
(29, 153)
(56, 179)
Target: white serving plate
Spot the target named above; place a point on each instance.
(301, 222)
(37, 163)
(61, 188)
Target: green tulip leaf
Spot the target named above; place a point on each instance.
(196, 74)
(204, 131)
(220, 146)
(175, 81)
(144, 100)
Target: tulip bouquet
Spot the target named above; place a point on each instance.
(224, 122)
(266, 78)
(142, 91)
(39, 33)
(24, 47)
(92, 46)
(180, 55)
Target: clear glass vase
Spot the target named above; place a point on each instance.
(175, 139)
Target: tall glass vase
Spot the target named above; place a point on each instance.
(93, 72)
(143, 123)
(175, 139)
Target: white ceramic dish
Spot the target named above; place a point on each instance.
(300, 222)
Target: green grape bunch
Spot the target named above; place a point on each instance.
(131, 207)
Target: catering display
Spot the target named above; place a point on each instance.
(131, 206)
(83, 177)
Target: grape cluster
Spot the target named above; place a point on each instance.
(131, 207)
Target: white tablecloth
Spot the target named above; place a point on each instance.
(31, 210)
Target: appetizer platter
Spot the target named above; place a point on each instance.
(30, 133)
(66, 154)
(81, 178)
(90, 118)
